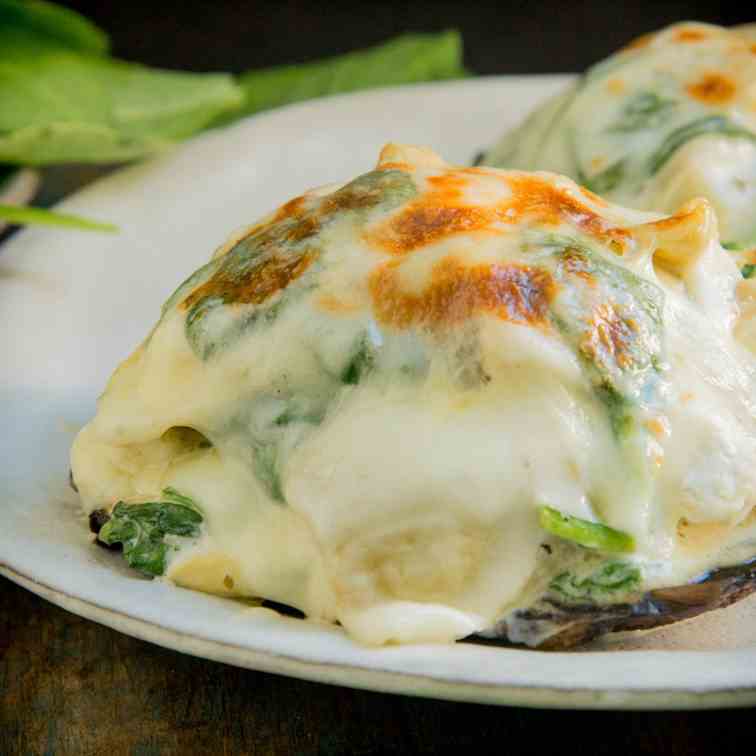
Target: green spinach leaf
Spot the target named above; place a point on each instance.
(64, 100)
(405, 59)
(141, 529)
(611, 580)
(643, 110)
(35, 24)
(591, 535)
(714, 124)
(604, 181)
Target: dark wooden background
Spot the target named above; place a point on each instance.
(69, 686)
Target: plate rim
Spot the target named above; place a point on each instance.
(387, 681)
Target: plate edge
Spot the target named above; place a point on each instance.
(381, 680)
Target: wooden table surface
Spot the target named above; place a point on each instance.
(69, 686)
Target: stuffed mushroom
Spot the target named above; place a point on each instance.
(668, 118)
(441, 402)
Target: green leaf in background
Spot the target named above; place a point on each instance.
(20, 216)
(405, 59)
(65, 102)
(40, 24)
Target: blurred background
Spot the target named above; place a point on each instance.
(524, 36)
(518, 37)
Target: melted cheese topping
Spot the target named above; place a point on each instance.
(669, 118)
(395, 375)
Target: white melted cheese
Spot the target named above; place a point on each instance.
(403, 501)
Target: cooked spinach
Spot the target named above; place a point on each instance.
(747, 271)
(141, 529)
(271, 254)
(644, 110)
(714, 124)
(591, 535)
(629, 299)
(611, 580)
(360, 363)
(604, 181)
(265, 465)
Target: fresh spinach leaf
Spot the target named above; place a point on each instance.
(747, 271)
(64, 100)
(611, 580)
(19, 215)
(60, 106)
(141, 529)
(591, 535)
(405, 59)
(35, 23)
(714, 124)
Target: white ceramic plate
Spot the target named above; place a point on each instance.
(72, 305)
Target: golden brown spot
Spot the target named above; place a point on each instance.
(713, 88)
(441, 212)
(616, 86)
(397, 166)
(421, 224)
(597, 164)
(658, 426)
(228, 583)
(448, 186)
(336, 306)
(752, 48)
(576, 264)
(517, 293)
(600, 201)
(640, 42)
(609, 336)
(304, 228)
(291, 209)
(255, 285)
(687, 34)
(537, 199)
